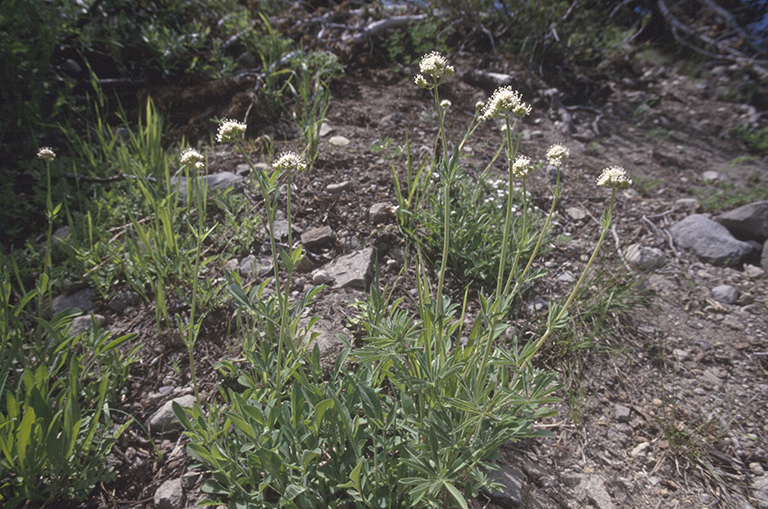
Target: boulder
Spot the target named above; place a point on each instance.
(749, 222)
(710, 240)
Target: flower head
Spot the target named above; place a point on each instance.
(614, 177)
(192, 157)
(557, 153)
(46, 154)
(503, 102)
(230, 131)
(289, 161)
(521, 166)
(445, 104)
(420, 81)
(435, 65)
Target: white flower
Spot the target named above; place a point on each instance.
(556, 154)
(503, 102)
(46, 154)
(230, 131)
(192, 157)
(614, 177)
(521, 166)
(445, 104)
(289, 161)
(420, 81)
(435, 65)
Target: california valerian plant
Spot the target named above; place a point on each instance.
(419, 415)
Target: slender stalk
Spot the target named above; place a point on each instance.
(553, 323)
(508, 218)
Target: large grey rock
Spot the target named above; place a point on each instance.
(511, 495)
(170, 495)
(353, 270)
(214, 182)
(61, 235)
(280, 229)
(644, 258)
(164, 420)
(82, 300)
(710, 240)
(749, 222)
(316, 237)
(726, 294)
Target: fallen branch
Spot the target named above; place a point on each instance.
(380, 26)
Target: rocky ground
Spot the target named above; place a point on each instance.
(667, 409)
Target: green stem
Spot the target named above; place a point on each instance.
(508, 218)
(543, 231)
(552, 324)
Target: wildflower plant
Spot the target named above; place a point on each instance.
(431, 395)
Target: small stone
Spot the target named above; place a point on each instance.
(321, 277)
(760, 491)
(511, 493)
(657, 402)
(713, 176)
(576, 213)
(644, 258)
(756, 468)
(725, 293)
(60, 235)
(745, 299)
(566, 277)
(337, 188)
(231, 265)
(164, 420)
(255, 266)
(621, 413)
(380, 213)
(170, 495)
(122, 300)
(316, 237)
(326, 129)
(353, 270)
(85, 323)
(639, 448)
(753, 271)
(593, 489)
(680, 355)
(81, 300)
(339, 141)
(538, 304)
(690, 204)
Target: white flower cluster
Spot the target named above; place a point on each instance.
(192, 158)
(521, 166)
(46, 154)
(556, 154)
(504, 102)
(433, 64)
(614, 177)
(230, 131)
(289, 161)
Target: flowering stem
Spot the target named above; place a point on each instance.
(511, 150)
(543, 231)
(528, 354)
(446, 217)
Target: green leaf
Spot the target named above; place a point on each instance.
(455, 494)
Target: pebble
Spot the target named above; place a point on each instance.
(339, 141)
(321, 277)
(576, 213)
(725, 293)
(337, 188)
(85, 324)
(170, 495)
(753, 271)
(621, 413)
